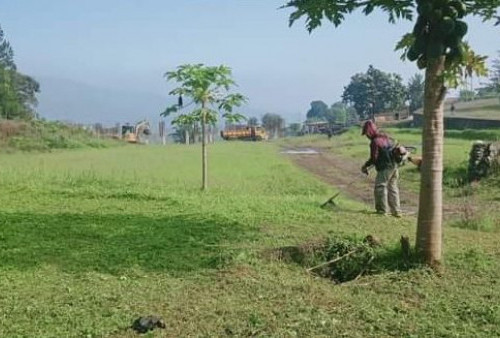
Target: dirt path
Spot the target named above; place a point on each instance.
(340, 171)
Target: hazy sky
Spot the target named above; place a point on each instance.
(129, 44)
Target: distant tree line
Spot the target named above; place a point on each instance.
(17, 91)
(338, 113)
(369, 94)
(375, 91)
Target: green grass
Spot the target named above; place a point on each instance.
(484, 109)
(92, 239)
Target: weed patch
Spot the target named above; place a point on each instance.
(456, 176)
(343, 259)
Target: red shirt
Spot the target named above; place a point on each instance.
(377, 142)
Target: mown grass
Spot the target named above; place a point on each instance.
(92, 239)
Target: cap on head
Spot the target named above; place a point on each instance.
(369, 129)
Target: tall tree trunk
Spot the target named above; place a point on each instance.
(204, 148)
(186, 136)
(430, 213)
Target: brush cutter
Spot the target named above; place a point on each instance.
(331, 200)
(405, 153)
(407, 156)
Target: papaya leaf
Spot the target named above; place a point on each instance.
(170, 110)
(404, 44)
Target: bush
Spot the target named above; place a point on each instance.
(344, 259)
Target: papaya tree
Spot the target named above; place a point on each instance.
(208, 88)
(436, 45)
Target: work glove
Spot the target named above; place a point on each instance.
(364, 170)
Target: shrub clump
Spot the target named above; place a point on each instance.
(344, 259)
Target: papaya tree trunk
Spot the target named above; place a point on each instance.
(430, 213)
(186, 136)
(204, 148)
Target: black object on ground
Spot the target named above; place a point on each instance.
(148, 323)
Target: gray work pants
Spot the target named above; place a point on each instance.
(387, 191)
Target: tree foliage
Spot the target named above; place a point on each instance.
(416, 87)
(208, 88)
(17, 91)
(253, 121)
(374, 92)
(6, 53)
(186, 126)
(294, 129)
(318, 112)
(335, 11)
(274, 123)
(341, 113)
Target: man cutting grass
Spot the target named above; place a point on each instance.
(386, 183)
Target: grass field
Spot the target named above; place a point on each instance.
(92, 239)
(483, 109)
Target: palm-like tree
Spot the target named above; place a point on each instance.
(208, 88)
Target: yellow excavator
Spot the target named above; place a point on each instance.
(138, 133)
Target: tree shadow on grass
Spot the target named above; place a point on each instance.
(113, 243)
(110, 194)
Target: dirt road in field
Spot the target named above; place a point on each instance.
(340, 172)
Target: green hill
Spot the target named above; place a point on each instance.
(41, 135)
(483, 109)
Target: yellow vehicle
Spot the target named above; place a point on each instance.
(137, 133)
(244, 133)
